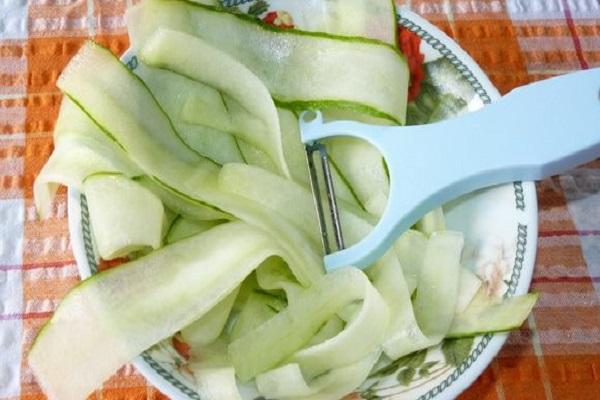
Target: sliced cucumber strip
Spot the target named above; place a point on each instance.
(363, 334)
(125, 216)
(275, 192)
(144, 19)
(483, 315)
(404, 335)
(170, 218)
(183, 228)
(272, 342)
(331, 328)
(193, 211)
(171, 91)
(216, 383)
(431, 222)
(287, 382)
(133, 111)
(362, 166)
(388, 278)
(208, 328)
(426, 322)
(410, 249)
(246, 289)
(303, 257)
(283, 382)
(364, 18)
(274, 274)
(362, 74)
(211, 356)
(293, 148)
(375, 19)
(217, 69)
(254, 156)
(468, 286)
(112, 323)
(72, 122)
(216, 145)
(437, 289)
(137, 109)
(80, 149)
(211, 109)
(227, 115)
(258, 309)
(70, 163)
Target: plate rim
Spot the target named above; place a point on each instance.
(526, 202)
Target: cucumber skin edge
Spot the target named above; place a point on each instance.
(141, 81)
(301, 105)
(534, 295)
(292, 31)
(67, 297)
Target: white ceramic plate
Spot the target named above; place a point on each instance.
(500, 226)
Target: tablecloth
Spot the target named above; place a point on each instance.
(556, 355)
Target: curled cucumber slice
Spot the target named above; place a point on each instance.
(125, 216)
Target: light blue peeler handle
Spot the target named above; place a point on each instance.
(533, 132)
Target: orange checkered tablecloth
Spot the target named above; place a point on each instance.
(556, 355)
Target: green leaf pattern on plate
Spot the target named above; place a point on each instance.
(456, 350)
(258, 8)
(406, 375)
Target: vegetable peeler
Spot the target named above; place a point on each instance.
(533, 132)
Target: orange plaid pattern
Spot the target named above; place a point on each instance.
(555, 356)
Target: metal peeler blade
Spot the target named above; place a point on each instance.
(318, 148)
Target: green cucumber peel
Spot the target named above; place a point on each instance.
(172, 91)
(346, 183)
(112, 325)
(269, 27)
(314, 105)
(378, 97)
(140, 81)
(281, 336)
(182, 228)
(161, 50)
